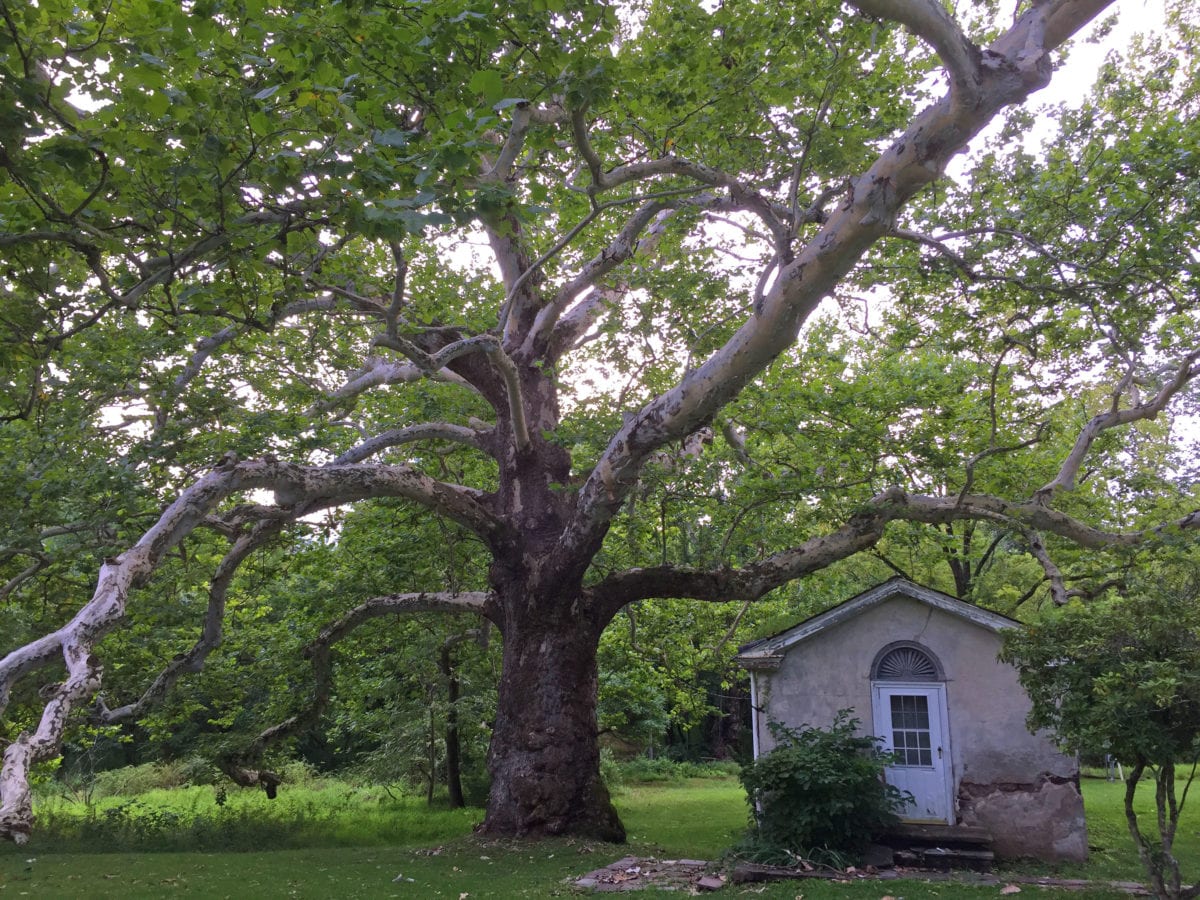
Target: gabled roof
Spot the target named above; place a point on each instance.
(767, 653)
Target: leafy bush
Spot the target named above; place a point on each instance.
(327, 813)
(200, 771)
(297, 771)
(820, 792)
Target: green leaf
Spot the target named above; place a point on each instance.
(489, 83)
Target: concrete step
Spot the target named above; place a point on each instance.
(945, 858)
(961, 836)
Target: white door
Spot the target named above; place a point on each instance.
(912, 720)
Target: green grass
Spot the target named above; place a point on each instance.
(697, 819)
(354, 842)
(321, 813)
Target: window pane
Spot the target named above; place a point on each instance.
(911, 739)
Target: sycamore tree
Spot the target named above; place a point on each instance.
(646, 300)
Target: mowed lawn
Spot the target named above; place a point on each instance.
(437, 857)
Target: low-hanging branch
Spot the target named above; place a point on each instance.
(242, 764)
(311, 488)
(862, 532)
(211, 630)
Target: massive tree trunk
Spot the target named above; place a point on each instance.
(544, 756)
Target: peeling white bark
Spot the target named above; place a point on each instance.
(533, 330)
(929, 20)
(480, 343)
(301, 486)
(1037, 548)
(379, 372)
(1014, 66)
(429, 431)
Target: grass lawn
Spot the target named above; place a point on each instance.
(412, 852)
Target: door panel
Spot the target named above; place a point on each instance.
(912, 721)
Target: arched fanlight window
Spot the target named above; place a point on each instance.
(905, 662)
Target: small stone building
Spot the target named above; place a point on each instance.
(920, 670)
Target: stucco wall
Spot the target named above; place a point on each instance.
(992, 752)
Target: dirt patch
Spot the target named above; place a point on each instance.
(694, 876)
(632, 873)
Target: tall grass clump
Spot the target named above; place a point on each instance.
(207, 818)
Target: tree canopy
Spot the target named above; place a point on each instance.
(583, 305)
(1123, 678)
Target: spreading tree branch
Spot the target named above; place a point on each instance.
(929, 20)
(480, 343)
(241, 766)
(295, 486)
(1037, 548)
(377, 372)
(429, 431)
(192, 660)
(862, 532)
(1017, 64)
(1187, 370)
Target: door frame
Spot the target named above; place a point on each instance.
(935, 691)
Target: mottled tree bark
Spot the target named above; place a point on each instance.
(544, 757)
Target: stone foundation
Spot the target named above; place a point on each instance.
(1043, 819)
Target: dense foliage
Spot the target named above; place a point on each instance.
(1123, 678)
(819, 791)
